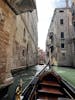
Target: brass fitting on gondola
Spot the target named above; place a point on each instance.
(19, 90)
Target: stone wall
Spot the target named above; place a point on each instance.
(25, 43)
(18, 41)
(7, 30)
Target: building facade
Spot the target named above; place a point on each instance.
(25, 41)
(7, 28)
(18, 37)
(41, 57)
(73, 35)
(58, 44)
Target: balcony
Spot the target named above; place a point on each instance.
(21, 6)
(51, 35)
(50, 46)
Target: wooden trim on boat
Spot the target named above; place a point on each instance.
(48, 85)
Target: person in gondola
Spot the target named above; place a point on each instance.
(19, 90)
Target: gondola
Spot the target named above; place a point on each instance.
(48, 85)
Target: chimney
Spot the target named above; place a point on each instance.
(67, 3)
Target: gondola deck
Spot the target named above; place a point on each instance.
(48, 87)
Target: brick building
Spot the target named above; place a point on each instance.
(18, 37)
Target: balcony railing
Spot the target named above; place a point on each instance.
(21, 6)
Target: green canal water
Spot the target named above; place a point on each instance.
(27, 75)
(66, 73)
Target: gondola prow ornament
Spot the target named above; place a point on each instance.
(19, 90)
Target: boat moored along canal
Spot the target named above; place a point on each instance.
(48, 85)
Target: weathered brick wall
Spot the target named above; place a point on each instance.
(17, 41)
(3, 54)
(7, 30)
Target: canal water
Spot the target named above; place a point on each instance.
(66, 73)
(26, 75)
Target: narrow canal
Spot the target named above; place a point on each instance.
(26, 75)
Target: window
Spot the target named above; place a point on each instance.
(24, 32)
(62, 45)
(63, 54)
(50, 35)
(52, 49)
(23, 53)
(62, 35)
(61, 21)
(24, 35)
(61, 11)
(74, 46)
(74, 25)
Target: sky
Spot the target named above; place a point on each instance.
(45, 9)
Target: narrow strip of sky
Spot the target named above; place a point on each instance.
(45, 10)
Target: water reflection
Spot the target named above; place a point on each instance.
(26, 75)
